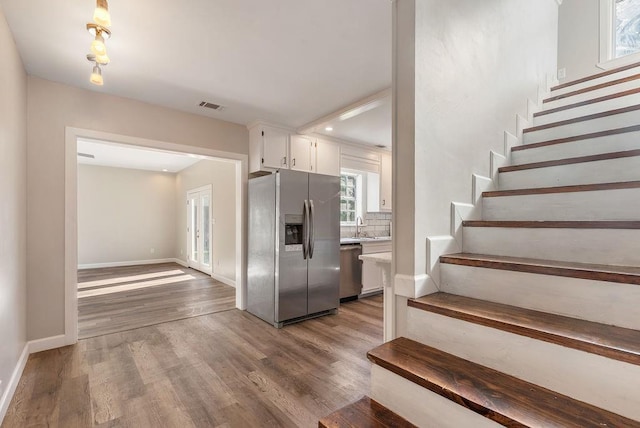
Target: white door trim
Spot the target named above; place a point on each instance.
(208, 188)
(71, 213)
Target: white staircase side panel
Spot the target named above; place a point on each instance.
(609, 205)
(606, 123)
(598, 246)
(587, 147)
(603, 382)
(600, 80)
(598, 301)
(599, 107)
(420, 406)
(595, 172)
(589, 95)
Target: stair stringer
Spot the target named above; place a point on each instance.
(422, 285)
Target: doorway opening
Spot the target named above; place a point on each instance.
(142, 251)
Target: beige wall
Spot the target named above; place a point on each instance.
(464, 69)
(579, 38)
(13, 208)
(51, 108)
(125, 213)
(221, 175)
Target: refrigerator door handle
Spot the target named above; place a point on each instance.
(305, 229)
(312, 235)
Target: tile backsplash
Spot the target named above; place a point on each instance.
(377, 224)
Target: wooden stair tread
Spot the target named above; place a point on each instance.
(583, 118)
(608, 273)
(553, 224)
(617, 131)
(592, 88)
(622, 344)
(570, 161)
(595, 76)
(563, 189)
(587, 102)
(502, 398)
(364, 413)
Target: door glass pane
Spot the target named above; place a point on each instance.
(193, 229)
(206, 224)
(627, 27)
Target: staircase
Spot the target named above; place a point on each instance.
(537, 322)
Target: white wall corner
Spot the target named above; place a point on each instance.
(521, 125)
(12, 384)
(532, 108)
(510, 141)
(542, 94)
(224, 280)
(559, 2)
(47, 343)
(436, 247)
(414, 286)
(497, 161)
(181, 262)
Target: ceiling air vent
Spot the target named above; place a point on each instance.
(212, 106)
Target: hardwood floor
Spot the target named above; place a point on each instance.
(124, 298)
(225, 369)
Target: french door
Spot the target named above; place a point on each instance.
(199, 229)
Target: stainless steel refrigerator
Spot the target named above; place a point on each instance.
(293, 259)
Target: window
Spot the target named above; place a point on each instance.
(619, 32)
(350, 197)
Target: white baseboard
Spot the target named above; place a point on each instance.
(223, 280)
(129, 263)
(10, 388)
(47, 343)
(181, 262)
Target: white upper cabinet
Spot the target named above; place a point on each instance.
(386, 177)
(268, 148)
(301, 149)
(327, 157)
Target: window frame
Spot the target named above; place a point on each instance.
(358, 198)
(607, 36)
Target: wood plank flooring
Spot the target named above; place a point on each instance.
(227, 369)
(138, 296)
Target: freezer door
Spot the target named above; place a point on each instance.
(261, 255)
(291, 283)
(324, 246)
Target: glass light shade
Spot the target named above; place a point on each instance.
(103, 59)
(97, 46)
(96, 76)
(102, 17)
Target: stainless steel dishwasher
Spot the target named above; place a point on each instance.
(350, 271)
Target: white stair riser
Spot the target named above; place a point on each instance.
(621, 87)
(592, 146)
(598, 81)
(588, 109)
(596, 172)
(598, 301)
(621, 204)
(598, 246)
(585, 127)
(603, 382)
(419, 405)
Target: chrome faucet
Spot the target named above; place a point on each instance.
(359, 224)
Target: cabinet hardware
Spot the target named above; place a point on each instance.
(284, 160)
(262, 160)
(294, 162)
(384, 202)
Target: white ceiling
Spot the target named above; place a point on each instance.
(283, 61)
(120, 156)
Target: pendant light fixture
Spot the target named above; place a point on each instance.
(99, 29)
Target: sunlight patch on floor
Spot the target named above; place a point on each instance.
(133, 286)
(121, 279)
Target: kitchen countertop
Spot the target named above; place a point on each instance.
(365, 240)
(376, 257)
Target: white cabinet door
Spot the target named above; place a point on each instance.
(301, 147)
(327, 158)
(371, 271)
(274, 148)
(386, 177)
